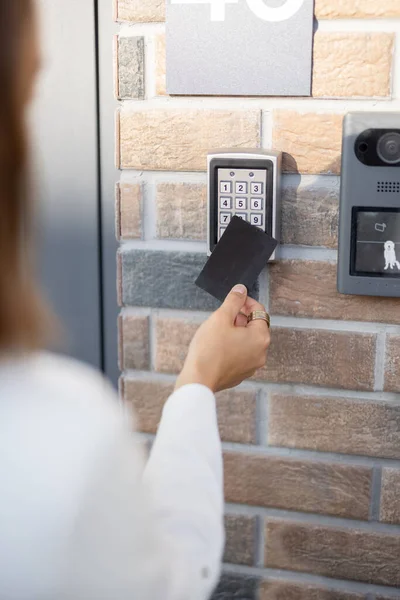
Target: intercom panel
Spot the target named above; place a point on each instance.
(244, 183)
(369, 223)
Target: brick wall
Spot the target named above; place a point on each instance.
(312, 444)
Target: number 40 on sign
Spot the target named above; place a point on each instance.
(258, 7)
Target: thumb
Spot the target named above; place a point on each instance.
(234, 302)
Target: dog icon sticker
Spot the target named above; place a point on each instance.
(390, 256)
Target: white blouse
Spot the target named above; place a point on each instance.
(80, 516)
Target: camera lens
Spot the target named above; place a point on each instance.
(363, 147)
(389, 148)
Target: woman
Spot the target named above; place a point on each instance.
(80, 517)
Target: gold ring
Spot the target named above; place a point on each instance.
(259, 315)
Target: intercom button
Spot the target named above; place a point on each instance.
(241, 187)
(241, 203)
(256, 219)
(256, 187)
(225, 187)
(241, 216)
(225, 218)
(226, 202)
(256, 204)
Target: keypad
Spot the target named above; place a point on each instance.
(242, 192)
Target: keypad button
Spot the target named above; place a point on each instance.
(221, 231)
(256, 187)
(241, 187)
(225, 218)
(225, 187)
(256, 219)
(241, 203)
(242, 216)
(226, 202)
(256, 204)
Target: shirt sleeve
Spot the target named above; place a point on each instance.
(153, 533)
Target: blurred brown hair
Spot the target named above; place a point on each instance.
(21, 313)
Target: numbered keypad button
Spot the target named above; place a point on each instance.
(225, 187)
(241, 203)
(221, 231)
(242, 216)
(256, 187)
(256, 204)
(226, 202)
(225, 218)
(241, 187)
(256, 220)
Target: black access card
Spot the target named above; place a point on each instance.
(239, 257)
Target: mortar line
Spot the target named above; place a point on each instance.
(152, 341)
(260, 543)
(380, 360)
(314, 456)
(317, 456)
(340, 585)
(264, 103)
(149, 66)
(298, 517)
(289, 179)
(376, 488)
(300, 390)
(334, 325)
(262, 417)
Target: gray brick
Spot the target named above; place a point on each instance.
(240, 546)
(310, 216)
(236, 587)
(165, 280)
(131, 67)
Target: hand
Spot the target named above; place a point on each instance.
(226, 350)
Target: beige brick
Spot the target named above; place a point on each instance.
(318, 357)
(307, 486)
(129, 211)
(358, 9)
(390, 505)
(283, 590)
(308, 289)
(173, 340)
(342, 425)
(353, 554)
(240, 543)
(134, 342)
(179, 140)
(310, 216)
(311, 142)
(140, 11)
(350, 65)
(392, 370)
(236, 410)
(182, 211)
(161, 89)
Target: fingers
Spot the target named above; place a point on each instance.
(234, 302)
(241, 320)
(252, 305)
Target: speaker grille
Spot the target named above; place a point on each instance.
(388, 187)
